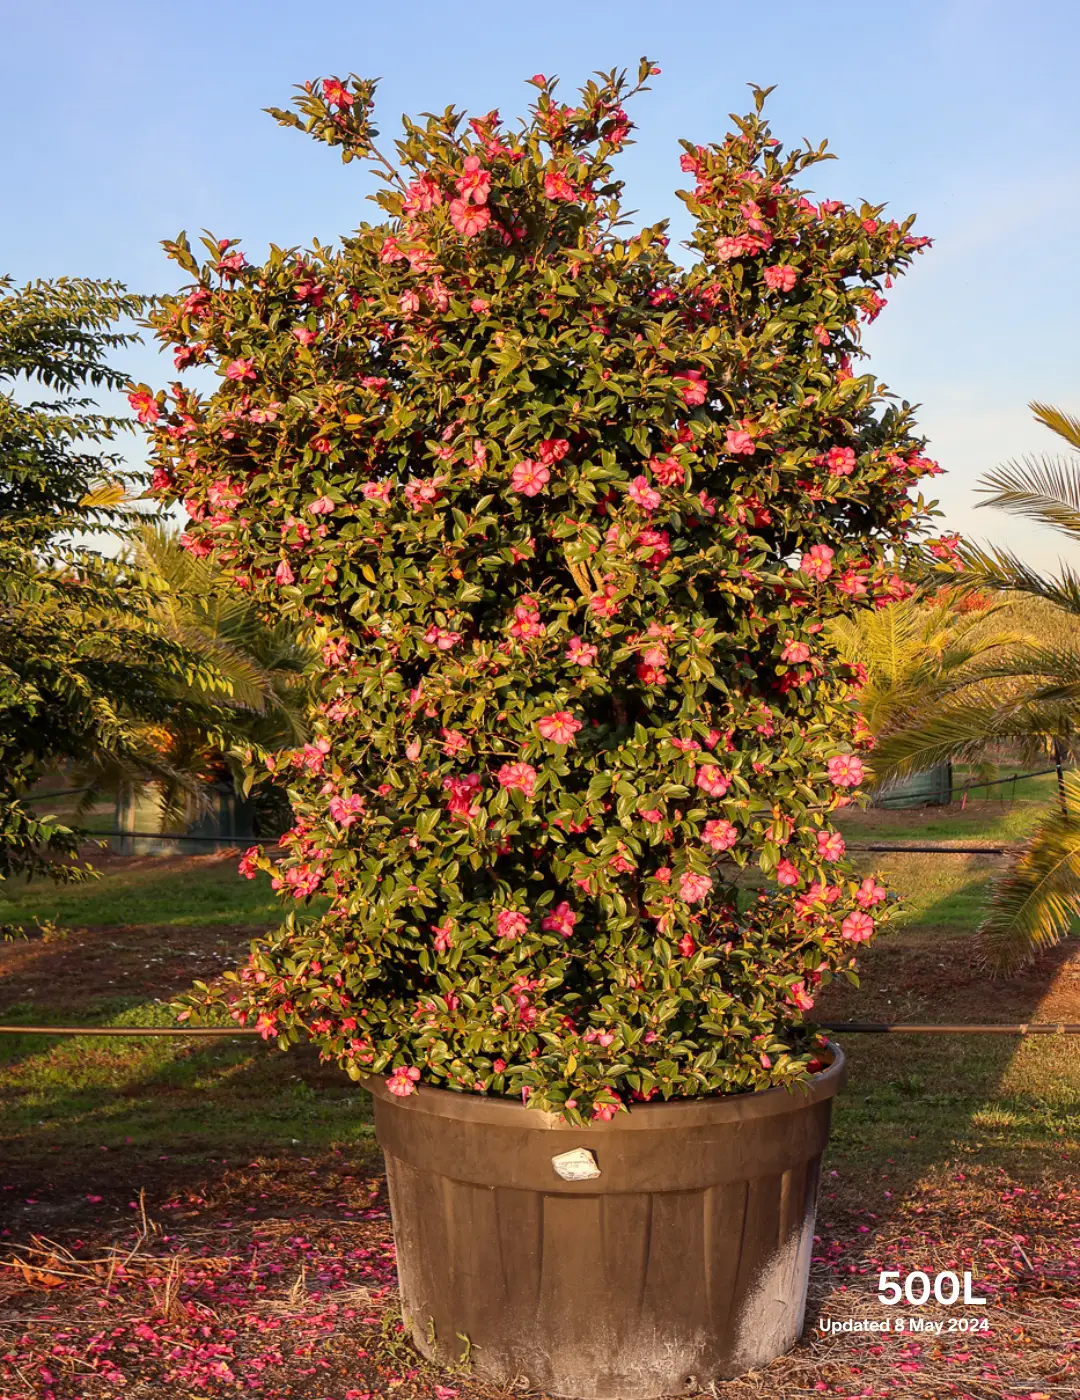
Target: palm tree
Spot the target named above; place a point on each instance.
(916, 651)
(262, 665)
(1028, 696)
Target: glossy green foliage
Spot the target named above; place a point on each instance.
(570, 518)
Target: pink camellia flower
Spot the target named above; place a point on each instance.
(469, 219)
(840, 461)
(642, 494)
(517, 775)
(711, 780)
(795, 651)
(412, 750)
(695, 391)
(559, 727)
(475, 183)
(511, 924)
(799, 996)
(145, 405)
(423, 195)
(857, 927)
(553, 450)
(720, 835)
(526, 623)
(816, 562)
(529, 477)
(605, 602)
(347, 810)
(739, 442)
(580, 653)
(323, 506)
(403, 1081)
(283, 574)
(462, 804)
(196, 547)
(845, 770)
(781, 277)
(334, 93)
(604, 1112)
(561, 920)
(653, 547)
(817, 892)
(653, 815)
(669, 471)
(734, 247)
(479, 307)
(853, 584)
(376, 490)
(443, 936)
(786, 874)
(687, 946)
(419, 494)
(304, 335)
(249, 862)
(240, 369)
(440, 638)
(830, 845)
(558, 188)
(869, 893)
(693, 887)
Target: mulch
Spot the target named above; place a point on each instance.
(275, 1278)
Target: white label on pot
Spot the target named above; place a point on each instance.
(578, 1165)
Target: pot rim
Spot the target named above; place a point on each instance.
(680, 1113)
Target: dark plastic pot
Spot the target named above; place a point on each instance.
(684, 1260)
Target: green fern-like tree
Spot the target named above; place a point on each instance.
(87, 663)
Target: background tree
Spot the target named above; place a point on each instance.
(1027, 696)
(84, 667)
(918, 651)
(263, 665)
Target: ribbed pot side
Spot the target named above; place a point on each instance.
(685, 1261)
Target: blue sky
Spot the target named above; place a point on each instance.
(127, 122)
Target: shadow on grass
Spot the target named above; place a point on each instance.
(197, 1095)
(916, 1101)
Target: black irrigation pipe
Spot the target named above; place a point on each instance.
(60, 792)
(181, 836)
(883, 803)
(879, 846)
(931, 849)
(128, 1030)
(841, 1027)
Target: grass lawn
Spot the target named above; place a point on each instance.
(172, 891)
(201, 1219)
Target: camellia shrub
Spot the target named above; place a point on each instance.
(567, 517)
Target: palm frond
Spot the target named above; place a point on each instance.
(1035, 903)
(963, 727)
(1002, 571)
(1046, 489)
(1058, 421)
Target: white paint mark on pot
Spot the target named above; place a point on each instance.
(577, 1165)
(772, 1315)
